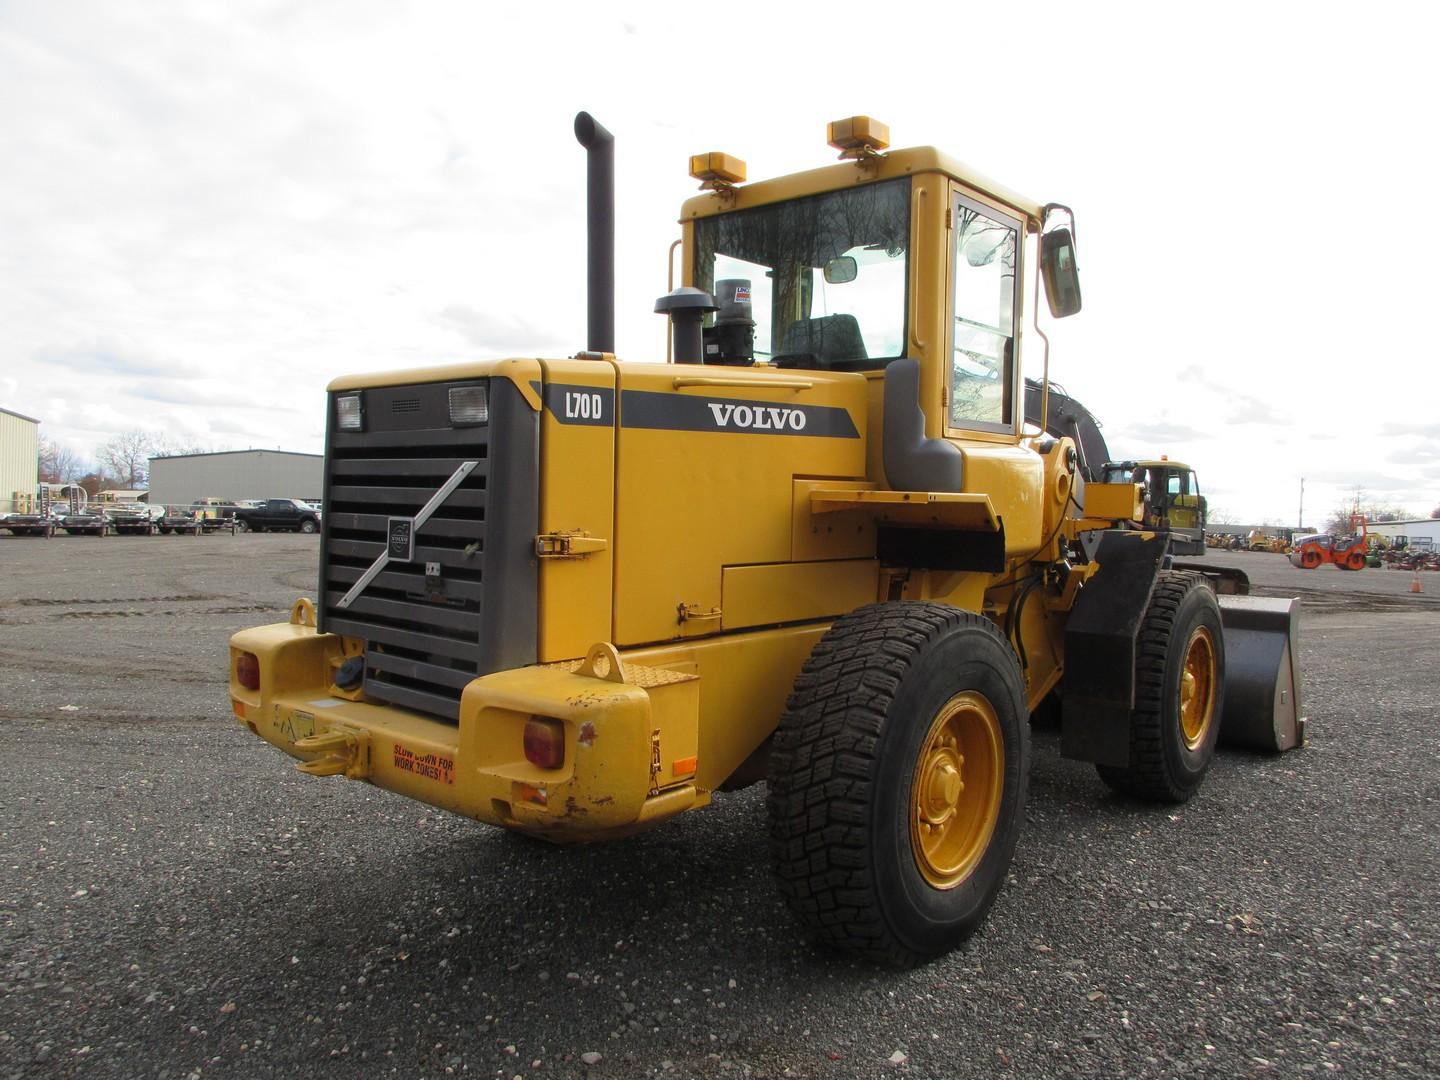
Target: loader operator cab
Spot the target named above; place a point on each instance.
(910, 255)
(822, 283)
(1171, 498)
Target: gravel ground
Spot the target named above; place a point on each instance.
(175, 900)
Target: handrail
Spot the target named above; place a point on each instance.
(769, 383)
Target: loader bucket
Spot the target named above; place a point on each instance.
(1262, 679)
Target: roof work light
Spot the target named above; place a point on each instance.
(716, 170)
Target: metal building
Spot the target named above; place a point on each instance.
(1413, 529)
(181, 479)
(19, 458)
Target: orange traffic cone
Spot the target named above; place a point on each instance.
(1415, 583)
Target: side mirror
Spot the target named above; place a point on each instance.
(841, 270)
(1062, 277)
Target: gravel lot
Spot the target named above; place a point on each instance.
(176, 900)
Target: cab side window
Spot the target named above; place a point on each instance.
(986, 262)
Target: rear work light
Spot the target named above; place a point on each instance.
(469, 405)
(247, 670)
(545, 742)
(349, 414)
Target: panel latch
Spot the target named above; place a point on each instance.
(567, 545)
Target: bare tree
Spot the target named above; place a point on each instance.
(127, 457)
(163, 444)
(1339, 521)
(57, 463)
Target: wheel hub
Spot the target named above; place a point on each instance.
(943, 786)
(955, 800)
(1197, 688)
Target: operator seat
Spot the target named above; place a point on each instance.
(821, 343)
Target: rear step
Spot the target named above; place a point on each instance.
(1262, 679)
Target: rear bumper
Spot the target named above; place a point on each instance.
(629, 745)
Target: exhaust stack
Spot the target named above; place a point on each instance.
(600, 226)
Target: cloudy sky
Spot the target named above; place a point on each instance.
(207, 210)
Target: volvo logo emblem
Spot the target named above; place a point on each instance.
(400, 539)
(756, 417)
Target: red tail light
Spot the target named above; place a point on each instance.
(545, 742)
(247, 671)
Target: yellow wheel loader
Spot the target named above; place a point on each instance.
(821, 547)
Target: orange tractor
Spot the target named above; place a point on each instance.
(1346, 552)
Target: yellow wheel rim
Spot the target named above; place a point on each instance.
(1197, 688)
(955, 793)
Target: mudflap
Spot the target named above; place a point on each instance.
(1098, 690)
(1262, 678)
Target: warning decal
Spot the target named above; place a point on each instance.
(430, 766)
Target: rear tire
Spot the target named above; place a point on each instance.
(240, 526)
(898, 779)
(1179, 692)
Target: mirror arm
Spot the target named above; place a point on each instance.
(1045, 346)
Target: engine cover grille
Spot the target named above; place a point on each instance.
(465, 603)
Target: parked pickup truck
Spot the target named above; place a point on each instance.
(287, 514)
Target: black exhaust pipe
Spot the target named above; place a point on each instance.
(600, 226)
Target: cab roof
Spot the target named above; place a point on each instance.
(886, 166)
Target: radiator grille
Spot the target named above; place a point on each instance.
(422, 634)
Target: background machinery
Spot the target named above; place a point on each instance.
(1348, 552)
(1170, 490)
(575, 597)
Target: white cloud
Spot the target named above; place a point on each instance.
(210, 209)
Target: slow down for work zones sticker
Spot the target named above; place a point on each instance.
(431, 766)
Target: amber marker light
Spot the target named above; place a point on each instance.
(857, 135)
(715, 170)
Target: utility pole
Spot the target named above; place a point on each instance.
(1301, 523)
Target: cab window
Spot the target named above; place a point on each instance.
(824, 278)
(986, 262)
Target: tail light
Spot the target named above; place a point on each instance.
(247, 671)
(545, 742)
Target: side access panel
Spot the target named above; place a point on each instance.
(1098, 687)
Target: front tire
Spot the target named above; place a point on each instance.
(898, 780)
(1179, 692)
(307, 526)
